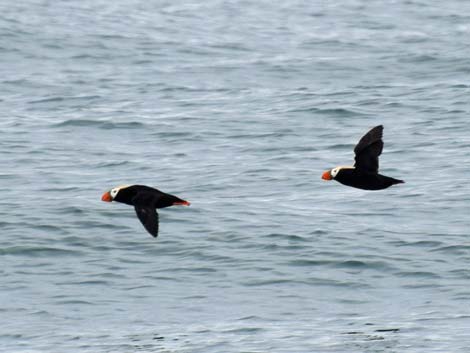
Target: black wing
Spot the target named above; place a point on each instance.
(369, 149)
(149, 218)
(145, 207)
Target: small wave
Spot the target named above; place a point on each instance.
(360, 264)
(230, 46)
(388, 330)
(244, 330)
(163, 278)
(38, 251)
(47, 100)
(422, 58)
(61, 99)
(174, 134)
(84, 56)
(87, 282)
(48, 228)
(421, 243)
(286, 237)
(336, 283)
(177, 88)
(60, 189)
(459, 85)
(420, 274)
(462, 273)
(336, 112)
(454, 249)
(307, 263)
(341, 146)
(19, 82)
(256, 283)
(107, 164)
(413, 37)
(112, 36)
(249, 318)
(194, 270)
(8, 176)
(101, 124)
(194, 297)
(74, 302)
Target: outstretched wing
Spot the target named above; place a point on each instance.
(149, 218)
(145, 207)
(369, 149)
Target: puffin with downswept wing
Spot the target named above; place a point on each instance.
(145, 200)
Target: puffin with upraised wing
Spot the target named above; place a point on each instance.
(365, 172)
(145, 200)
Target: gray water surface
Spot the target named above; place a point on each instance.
(237, 107)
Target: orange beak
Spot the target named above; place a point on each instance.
(106, 197)
(181, 203)
(327, 175)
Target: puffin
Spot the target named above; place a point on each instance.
(365, 172)
(145, 200)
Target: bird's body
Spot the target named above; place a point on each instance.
(364, 174)
(145, 200)
(362, 180)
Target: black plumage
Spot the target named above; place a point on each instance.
(365, 172)
(145, 200)
(368, 150)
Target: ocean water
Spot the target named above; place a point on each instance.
(238, 107)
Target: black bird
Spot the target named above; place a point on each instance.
(145, 200)
(365, 172)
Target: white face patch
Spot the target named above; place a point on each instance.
(335, 171)
(115, 191)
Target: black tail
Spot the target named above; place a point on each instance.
(388, 181)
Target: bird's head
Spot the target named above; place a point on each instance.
(333, 173)
(110, 195)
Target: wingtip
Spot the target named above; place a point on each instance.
(379, 127)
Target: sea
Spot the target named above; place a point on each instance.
(238, 107)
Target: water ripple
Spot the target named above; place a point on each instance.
(100, 124)
(238, 107)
